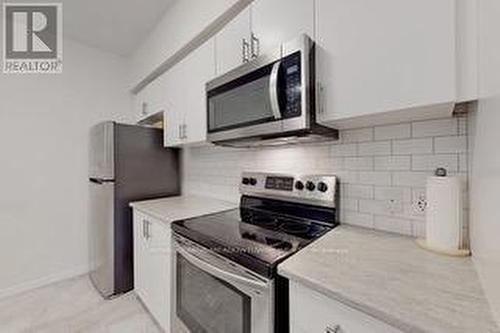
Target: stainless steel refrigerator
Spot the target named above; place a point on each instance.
(126, 163)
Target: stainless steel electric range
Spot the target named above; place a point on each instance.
(225, 278)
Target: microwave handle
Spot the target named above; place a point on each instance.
(273, 90)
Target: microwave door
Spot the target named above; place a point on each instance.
(246, 101)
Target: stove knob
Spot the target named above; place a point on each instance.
(299, 185)
(310, 186)
(322, 187)
(245, 181)
(253, 181)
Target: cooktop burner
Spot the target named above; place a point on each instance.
(269, 225)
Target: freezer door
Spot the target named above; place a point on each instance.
(101, 151)
(101, 229)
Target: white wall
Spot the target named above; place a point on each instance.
(44, 121)
(182, 22)
(485, 171)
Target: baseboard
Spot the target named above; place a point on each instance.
(41, 282)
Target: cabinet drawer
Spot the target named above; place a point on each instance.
(311, 311)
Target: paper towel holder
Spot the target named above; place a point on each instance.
(423, 243)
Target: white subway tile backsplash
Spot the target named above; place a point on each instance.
(463, 163)
(410, 178)
(412, 146)
(439, 127)
(374, 148)
(358, 163)
(349, 204)
(432, 162)
(374, 178)
(357, 135)
(356, 218)
(380, 207)
(418, 229)
(347, 177)
(462, 125)
(403, 194)
(392, 224)
(341, 150)
(400, 131)
(357, 191)
(451, 144)
(382, 170)
(392, 163)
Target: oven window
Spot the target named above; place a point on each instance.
(206, 304)
(245, 101)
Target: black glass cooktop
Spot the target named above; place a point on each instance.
(259, 234)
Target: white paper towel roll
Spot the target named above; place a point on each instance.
(444, 225)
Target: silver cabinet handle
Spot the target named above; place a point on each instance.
(144, 108)
(180, 132)
(320, 98)
(184, 132)
(145, 229)
(255, 46)
(332, 329)
(245, 46)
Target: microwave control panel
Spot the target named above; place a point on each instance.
(292, 75)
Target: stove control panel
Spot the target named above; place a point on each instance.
(314, 189)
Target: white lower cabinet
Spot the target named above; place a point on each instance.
(152, 266)
(311, 311)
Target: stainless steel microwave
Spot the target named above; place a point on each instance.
(270, 100)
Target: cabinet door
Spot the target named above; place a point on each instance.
(149, 100)
(386, 55)
(143, 103)
(311, 311)
(159, 278)
(202, 63)
(175, 105)
(229, 42)
(141, 258)
(152, 266)
(278, 21)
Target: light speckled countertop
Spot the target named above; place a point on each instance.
(181, 207)
(390, 278)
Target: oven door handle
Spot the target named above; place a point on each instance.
(273, 90)
(220, 273)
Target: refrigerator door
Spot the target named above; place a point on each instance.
(101, 229)
(101, 151)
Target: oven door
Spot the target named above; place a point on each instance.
(214, 295)
(265, 97)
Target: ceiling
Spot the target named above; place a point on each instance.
(117, 26)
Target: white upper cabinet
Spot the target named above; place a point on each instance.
(201, 69)
(184, 86)
(376, 57)
(278, 21)
(260, 29)
(233, 42)
(148, 101)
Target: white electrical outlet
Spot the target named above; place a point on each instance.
(394, 206)
(420, 204)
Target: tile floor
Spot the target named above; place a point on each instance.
(73, 306)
